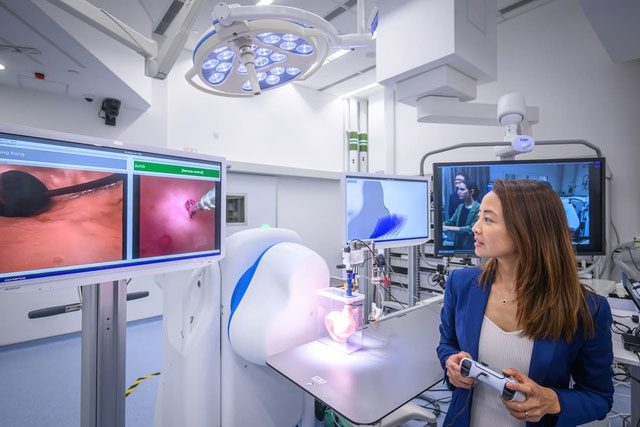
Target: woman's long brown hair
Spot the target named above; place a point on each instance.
(551, 300)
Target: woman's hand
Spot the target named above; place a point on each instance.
(540, 400)
(453, 371)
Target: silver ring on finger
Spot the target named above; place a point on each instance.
(525, 415)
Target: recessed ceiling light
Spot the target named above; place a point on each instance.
(2, 67)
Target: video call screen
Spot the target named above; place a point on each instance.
(386, 209)
(69, 208)
(578, 182)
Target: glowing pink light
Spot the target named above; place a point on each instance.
(341, 324)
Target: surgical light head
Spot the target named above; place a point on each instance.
(254, 48)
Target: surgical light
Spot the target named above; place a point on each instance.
(272, 79)
(263, 47)
(210, 63)
(263, 51)
(224, 67)
(278, 57)
(261, 61)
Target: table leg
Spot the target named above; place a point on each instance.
(635, 395)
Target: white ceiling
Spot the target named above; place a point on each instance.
(72, 70)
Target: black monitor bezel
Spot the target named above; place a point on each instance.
(597, 212)
(628, 287)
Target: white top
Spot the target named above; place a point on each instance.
(499, 350)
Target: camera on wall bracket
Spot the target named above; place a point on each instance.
(109, 111)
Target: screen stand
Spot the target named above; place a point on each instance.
(635, 391)
(413, 263)
(103, 354)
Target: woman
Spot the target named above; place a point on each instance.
(454, 200)
(526, 313)
(464, 217)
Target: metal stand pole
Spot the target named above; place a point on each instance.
(365, 287)
(103, 354)
(635, 395)
(412, 275)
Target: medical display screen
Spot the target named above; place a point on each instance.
(459, 188)
(69, 208)
(633, 289)
(386, 209)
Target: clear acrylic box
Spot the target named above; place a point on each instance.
(340, 319)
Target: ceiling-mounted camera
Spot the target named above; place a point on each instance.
(109, 111)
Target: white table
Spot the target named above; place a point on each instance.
(397, 363)
(630, 359)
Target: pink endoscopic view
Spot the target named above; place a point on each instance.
(53, 217)
(166, 226)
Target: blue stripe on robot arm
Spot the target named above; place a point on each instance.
(242, 286)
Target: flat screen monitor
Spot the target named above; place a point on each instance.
(76, 211)
(633, 289)
(580, 183)
(390, 210)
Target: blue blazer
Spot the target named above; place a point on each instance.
(586, 360)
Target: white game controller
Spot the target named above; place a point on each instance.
(470, 368)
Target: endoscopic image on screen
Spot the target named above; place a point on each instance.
(54, 217)
(168, 219)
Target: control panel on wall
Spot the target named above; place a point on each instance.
(236, 209)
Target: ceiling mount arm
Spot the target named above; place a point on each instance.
(228, 14)
(494, 144)
(109, 25)
(175, 40)
(158, 61)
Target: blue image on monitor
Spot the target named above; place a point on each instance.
(385, 209)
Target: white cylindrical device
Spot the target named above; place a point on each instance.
(363, 152)
(353, 151)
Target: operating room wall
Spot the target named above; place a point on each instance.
(71, 115)
(313, 208)
(551, 55)
(292, 126)
(309, 205)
